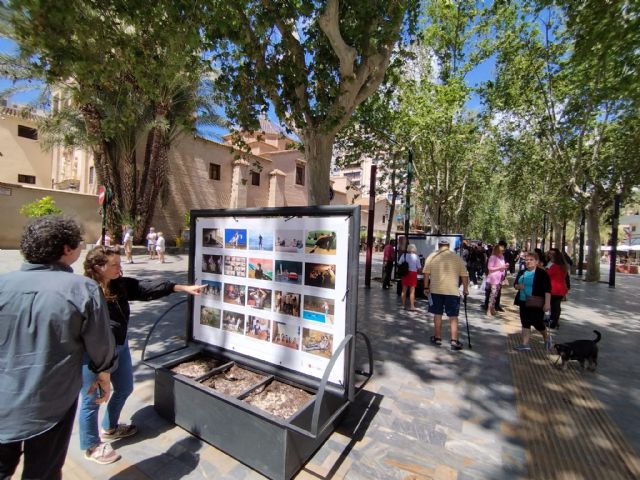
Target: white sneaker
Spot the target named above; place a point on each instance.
(102, 454)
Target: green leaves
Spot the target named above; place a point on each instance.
(40, 208)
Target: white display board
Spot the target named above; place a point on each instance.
(277, 288)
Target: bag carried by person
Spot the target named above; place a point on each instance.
(534, 301)
(403, 268)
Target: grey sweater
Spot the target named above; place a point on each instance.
(49, 317)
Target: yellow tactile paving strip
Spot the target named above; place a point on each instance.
(567, 432)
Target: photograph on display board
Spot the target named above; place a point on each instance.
(317, 343)
(235, 266)
(213, 290)
(212, 237)
(321, 242)
(210, 316)
(287, 303)
(290, 241)
(288, 272)
(286, 335)
(233, 322)
(234, 294)
(318, 309)
(261, 268)
(320, 275)
(259, 298)
(235, 238)
(212, 264)
(259, 328)
(261, 240)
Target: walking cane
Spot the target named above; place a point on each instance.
(467, 319)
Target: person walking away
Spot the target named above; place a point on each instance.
(532, 284)
(127, 242)
(161, 246)
(443, 271)
(388, 257)
(557, 271)
(410, 280)
(102, 264)
(152, 236)
(49, 319)
(497, 267)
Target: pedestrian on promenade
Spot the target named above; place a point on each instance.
(102, 264)
(497, 268)
(161, 245)
(152, 236)
(533, 298)
(443, 272)
(127, 242)
(49, 319)
(410, 280)
(388, 257)
(558, 271)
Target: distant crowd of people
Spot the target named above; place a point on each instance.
(541, 279)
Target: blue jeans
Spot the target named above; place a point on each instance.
(122, 386)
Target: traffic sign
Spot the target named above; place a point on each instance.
(102, 194)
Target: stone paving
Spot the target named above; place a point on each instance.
(428, 412)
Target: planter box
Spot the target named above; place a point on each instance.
(237, 427)
(633, 268)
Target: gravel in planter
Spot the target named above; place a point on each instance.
(197, 367)
(278, 399)
(233, 381)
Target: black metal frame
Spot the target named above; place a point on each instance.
(233, 425)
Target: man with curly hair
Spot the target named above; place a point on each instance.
(49, 319)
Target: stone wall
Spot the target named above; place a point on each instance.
(84, 208)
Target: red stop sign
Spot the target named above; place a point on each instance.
(102, 194)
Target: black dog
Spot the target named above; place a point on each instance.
(580, 350)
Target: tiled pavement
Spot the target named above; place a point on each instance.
(427, 412)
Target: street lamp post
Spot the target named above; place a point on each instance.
(614, 240)
(407, 202)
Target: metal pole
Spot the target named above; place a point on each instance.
(407, 203)
(371, 219)
(564, 235)
(544, 231)
(581, 246)
(104, 222)
(614, 240)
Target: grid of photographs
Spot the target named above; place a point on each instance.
(275, 266)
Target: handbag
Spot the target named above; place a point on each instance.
(534, 301)
(403, 269)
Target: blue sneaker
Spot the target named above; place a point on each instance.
(522, 348)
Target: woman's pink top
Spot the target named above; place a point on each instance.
(495, 277)
(558, 280)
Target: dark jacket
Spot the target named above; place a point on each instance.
(126, 289)
(49, 319)
(541, 284)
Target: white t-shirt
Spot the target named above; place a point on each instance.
(413, 260)
(160, 243)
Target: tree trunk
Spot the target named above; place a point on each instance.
(318, 149)
(557, 235)
(575, 240)
(593, 238)
(392, 209)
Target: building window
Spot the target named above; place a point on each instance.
(27, 132)
(214, 171)
(27, 179)
(255, 178)
(92, 172)
(299, 174)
